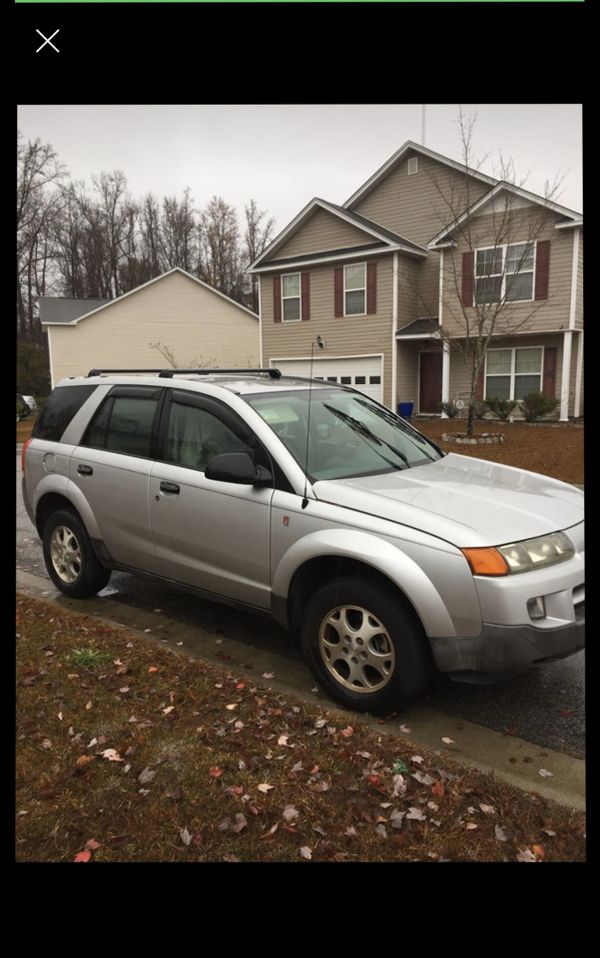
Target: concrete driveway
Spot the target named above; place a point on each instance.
(544, 707)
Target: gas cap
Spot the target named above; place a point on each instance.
(49, 462)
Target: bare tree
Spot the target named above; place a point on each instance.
(257, 236)
(487, 261)
(196, 363)
(39, 175)
(220, 261)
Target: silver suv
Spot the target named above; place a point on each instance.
(312, 502)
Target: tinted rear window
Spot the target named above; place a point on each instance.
(58, 411)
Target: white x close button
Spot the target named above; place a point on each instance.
(47, 41)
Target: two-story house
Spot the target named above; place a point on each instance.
(389, 280)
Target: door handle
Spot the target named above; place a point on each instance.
(170, 487)
(84, 470)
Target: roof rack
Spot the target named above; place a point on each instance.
(169, 373)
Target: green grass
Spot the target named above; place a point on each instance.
(88, 658)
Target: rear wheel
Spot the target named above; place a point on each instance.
(365, 646)
(69, 556)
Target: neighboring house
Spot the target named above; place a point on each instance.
(374, 279)
(176, 310)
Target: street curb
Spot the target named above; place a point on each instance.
(510, 759)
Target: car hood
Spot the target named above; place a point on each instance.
(468, 502)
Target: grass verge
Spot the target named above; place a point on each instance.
(129, 751)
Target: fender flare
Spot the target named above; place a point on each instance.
(62, 486)
(373, 551)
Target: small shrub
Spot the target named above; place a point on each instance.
(480, 408)
(537, 405)
(450, 408)
(502, 408)
(88, 658)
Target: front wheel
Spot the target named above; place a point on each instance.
(69, 556)
(365, 646)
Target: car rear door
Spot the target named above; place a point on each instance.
(112, 468)
(209, 534)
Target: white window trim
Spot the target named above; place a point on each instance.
(356, 289)
(513, 363)
(504, 247)
(298, 297)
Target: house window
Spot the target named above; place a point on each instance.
(290, 297)
(504, 273)
(413, 165)
(355, 290)
(513, 373)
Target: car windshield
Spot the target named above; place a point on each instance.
(350, 435)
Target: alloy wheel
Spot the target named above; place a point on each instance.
(65, 553)
(356, 649)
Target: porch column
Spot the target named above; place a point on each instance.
(578, 376)
(445, 375)
(566, 376)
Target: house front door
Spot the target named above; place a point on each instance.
(430, 382)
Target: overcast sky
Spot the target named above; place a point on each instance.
(284, 155)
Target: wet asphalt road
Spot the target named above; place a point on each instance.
(545, 706)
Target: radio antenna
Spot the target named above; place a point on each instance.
(321, 345)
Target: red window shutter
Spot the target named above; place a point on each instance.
(480, 383)
(305, 295)
(550, 361)
(467, 279)
(339, 291)
(542, 269)
(372, 288)
(277, 299)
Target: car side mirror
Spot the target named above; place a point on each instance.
(237, 467)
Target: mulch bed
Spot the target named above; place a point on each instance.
(129, 751)
(554, 450)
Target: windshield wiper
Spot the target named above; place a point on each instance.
(365, 433)
(393, 421)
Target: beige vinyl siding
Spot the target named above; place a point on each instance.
(579, 303)
(343, 335)
(459, 372)
(199, 327)
(549, 314)
(322, 231)
(416, 206)
(407, 365)
(409, 272)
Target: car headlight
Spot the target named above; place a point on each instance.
(537, 553)
(520, 556)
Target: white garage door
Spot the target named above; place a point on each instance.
(362, 372)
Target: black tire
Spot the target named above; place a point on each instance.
(409, 665)
(90, 575)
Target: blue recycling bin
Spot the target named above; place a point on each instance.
(405, 409)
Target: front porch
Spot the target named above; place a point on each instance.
(430, 372)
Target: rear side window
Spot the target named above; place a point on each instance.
(123, 424)
(58, 411)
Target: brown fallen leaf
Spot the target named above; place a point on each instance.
(92, 845)
(153, 668)
(83, 856)
(216, 772)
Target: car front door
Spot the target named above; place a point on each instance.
(112, 467)
(209, 534)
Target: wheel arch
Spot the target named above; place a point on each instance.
(321, 557)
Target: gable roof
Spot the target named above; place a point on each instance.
(573, 218)
(399, 155)
(106, 304)
(387, 239)
(58, 310)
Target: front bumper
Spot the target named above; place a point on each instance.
(501, 649)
